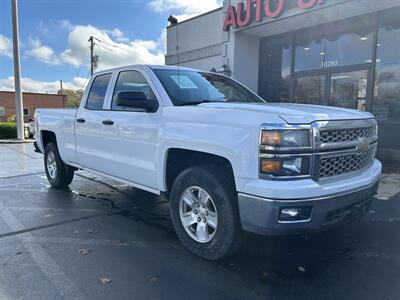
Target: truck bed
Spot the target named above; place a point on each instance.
(60, 121)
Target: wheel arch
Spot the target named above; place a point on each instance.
(178, 159)
(47, 136)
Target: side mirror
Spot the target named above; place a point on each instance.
(136, 99)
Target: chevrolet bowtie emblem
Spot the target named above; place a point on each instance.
(363, 145)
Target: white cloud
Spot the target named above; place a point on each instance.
(184, 9)
(44, 52)
(5, 46)
(40, 51)
(65, 24)
(112, 46)
(162, 40)
(52, 28)
(118, 35)
(35, 86)
(186, 6)
(112, 53)
(34, 43)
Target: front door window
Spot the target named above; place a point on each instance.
(349, 90)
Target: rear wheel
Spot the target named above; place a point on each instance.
(204, 212)
(58, 173)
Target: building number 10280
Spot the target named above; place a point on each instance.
(329, 64)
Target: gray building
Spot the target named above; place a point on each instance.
(342, 53)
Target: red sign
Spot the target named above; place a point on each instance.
(256, 10)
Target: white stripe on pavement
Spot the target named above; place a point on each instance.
(65, 286)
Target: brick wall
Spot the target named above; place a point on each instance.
(31, 102)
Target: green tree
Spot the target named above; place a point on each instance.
(74, 97)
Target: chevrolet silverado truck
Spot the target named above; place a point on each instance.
(228, 161)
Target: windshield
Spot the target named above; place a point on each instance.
(186, 87)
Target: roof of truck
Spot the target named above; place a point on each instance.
(164, 67)
(153, 67)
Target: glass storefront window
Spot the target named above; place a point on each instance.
(386, 106)
(275, 71)
(334, 46)
(333, 65)
(310, 89)
(349, 90)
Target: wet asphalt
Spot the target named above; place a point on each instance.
(104, 240)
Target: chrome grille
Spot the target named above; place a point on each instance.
(339, 148)
(346, 163)
(328, 136)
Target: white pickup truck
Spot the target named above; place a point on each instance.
(228, 161)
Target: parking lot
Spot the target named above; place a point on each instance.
(104, 240)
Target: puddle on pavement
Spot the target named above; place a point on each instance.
(149, 219)
(93, 197)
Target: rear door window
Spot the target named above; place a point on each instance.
(98, 92)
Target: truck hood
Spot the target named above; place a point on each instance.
(294, 113)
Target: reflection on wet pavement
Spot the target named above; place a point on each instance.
(19, 159)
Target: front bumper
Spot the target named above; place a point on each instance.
(261, 215)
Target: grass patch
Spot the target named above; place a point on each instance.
(8, 130)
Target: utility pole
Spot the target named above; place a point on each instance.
(61, 87)
(91, 54)
(19, 111)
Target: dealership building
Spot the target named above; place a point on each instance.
(343, 53)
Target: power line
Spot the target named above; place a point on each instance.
(101, 46)
(87, 78)
(107, 43)
(46, 59)
(112, 45)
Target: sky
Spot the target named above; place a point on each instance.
(54, 37)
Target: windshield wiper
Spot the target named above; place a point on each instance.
(197, 102)
(246, 101)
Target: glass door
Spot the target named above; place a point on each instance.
(349, 89)
(342, 87)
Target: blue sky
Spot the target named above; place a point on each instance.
(54, 33)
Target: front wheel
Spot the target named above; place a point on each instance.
(204, 212)
(58, 173)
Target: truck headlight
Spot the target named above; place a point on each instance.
(285, 151)
(286, 138)
(285, 166)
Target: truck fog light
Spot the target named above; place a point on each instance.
(290, 212)
(294, 214)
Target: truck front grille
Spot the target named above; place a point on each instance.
(346, 163)
(328, 136)
(338, 148)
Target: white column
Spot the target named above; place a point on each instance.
(19, 107)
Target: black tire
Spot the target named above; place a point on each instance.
(64, 174)
(229, 235)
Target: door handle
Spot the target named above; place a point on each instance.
(108, 122)
(81, 120)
